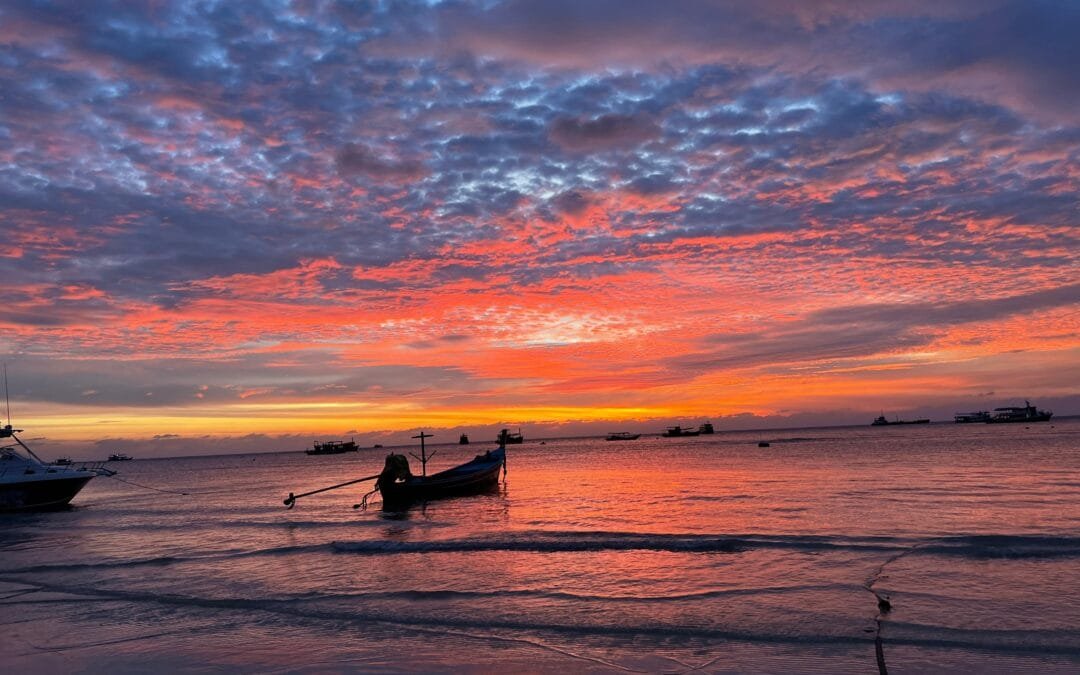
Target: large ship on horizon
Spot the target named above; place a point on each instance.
(1028, 413)
(881, 421)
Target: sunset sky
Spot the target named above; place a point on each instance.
(252, 224)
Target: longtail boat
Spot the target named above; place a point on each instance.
(399, 487)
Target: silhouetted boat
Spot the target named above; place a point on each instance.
(1028, 413)
(400, 488)
(677, 432)
(706, 429)
(970, 417)
(464, 440)
(622, 436)
(507, 437)
(27, 482)
(332, 448)
(881, 421)
(63, 461)
(119, 457)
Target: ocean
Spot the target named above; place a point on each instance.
(930, 548)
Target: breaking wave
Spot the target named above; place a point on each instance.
(974, 546)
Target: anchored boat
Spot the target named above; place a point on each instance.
(678, 432)
(333, 448)
(28, 482)
(399, 487)
(507, 437)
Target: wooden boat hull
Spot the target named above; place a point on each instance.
(474, 477)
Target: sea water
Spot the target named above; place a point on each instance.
(709, 554)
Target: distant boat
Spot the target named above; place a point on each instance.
(63, 461)
(332, 448)
(970, 417)
(507, 437)
(622, 436)
(1028, 413)
(706, 429)
(119, 457)
(27, 482)
(881, 421)
(678, 432)
(464, 440)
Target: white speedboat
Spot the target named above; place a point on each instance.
(28, 482)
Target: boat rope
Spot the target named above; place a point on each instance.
(396, 466)
(147, 487)
(364, 500)
(884, 604)
(290, 501)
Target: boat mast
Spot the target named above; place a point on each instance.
(8, 430)
(7, 396)
(423, 453)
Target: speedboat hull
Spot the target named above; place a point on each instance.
(46, 492)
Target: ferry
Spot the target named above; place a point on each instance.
(971, 417)
(1028, 413)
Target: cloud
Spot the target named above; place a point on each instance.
(865, 330)
(987, 49)
(355, 159)
(290, 204)
(606, 132)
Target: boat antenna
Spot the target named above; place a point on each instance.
(7, 397)
(423, 453)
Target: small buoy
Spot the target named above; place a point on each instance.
(763, 444)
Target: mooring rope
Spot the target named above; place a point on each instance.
(147, 487)
(884, 604)
(364, 501)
